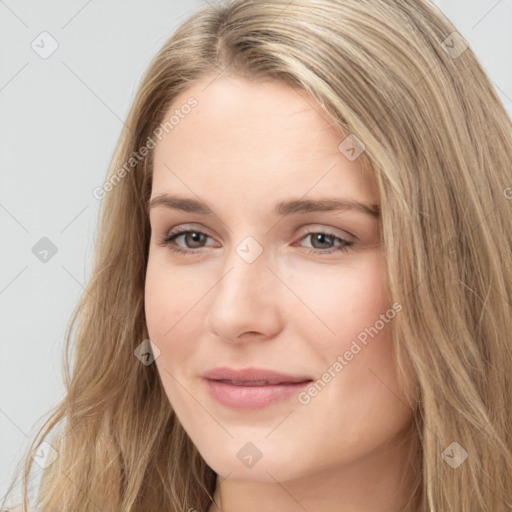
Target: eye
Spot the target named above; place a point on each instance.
(193, 239)
(321, 242)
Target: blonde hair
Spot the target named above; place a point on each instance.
(439, 143)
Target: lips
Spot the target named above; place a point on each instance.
(252, 388)
(253, 377)
(252, 382)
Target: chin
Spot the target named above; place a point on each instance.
(257, 462)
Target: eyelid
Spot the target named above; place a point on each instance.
(175, 233)
(188, 227)
(309, 228)
(337, 232)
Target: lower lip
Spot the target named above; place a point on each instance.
(252, 397)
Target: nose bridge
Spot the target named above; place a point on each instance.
(245, 272)
(245, 297)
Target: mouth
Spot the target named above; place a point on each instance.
(252, 388)
(257, 382)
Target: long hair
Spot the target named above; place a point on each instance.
(438, 141)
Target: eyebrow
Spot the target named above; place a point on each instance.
(283, 208)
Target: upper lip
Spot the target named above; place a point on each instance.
(253, 375)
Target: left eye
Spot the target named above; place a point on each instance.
(321, 239)
(322, 243)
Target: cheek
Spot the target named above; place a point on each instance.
(169, 307)
(353, 321)
(171, 319)
(169, 299)
(343, 301)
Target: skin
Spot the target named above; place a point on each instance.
(245, 147)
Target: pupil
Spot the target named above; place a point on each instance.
(196, 237)
(322, 238)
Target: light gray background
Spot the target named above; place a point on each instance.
(60, 120)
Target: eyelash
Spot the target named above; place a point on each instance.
(171, 236)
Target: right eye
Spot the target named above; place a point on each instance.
(193, 240)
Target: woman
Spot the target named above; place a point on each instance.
(224, 357)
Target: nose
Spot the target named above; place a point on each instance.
(246, 300)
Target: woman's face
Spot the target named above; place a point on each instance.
(264, 272)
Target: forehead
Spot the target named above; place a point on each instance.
(242, 113)
(260, 136)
